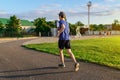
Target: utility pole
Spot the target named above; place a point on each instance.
(89, 5)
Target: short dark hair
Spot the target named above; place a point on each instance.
(62, 14)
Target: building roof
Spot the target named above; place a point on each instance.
(4, 20)
(26, 23)
(23, 22)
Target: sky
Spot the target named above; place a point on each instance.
(101, 11)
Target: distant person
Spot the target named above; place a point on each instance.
(64, 41)
(78, 34)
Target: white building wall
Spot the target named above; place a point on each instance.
(54, 31)
(27, 28)
(105, 33)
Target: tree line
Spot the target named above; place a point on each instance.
(116, 25)
(13, 27)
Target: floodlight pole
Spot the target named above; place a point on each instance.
(89, 5)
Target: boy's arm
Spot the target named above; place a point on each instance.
(61, 29)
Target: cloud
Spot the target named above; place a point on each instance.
(109, 0)
(104, 10)
(49, 14)
(49, 6)
(50, 11)
(4, 14)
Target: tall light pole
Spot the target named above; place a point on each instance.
(89, 5)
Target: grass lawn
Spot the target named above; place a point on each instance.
(104, 51)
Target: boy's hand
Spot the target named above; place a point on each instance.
(58, 29)
(58, 34)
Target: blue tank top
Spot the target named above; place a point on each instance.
(65, 34)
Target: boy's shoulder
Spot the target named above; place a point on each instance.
(62, 21)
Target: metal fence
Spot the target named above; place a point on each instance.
(104, 32)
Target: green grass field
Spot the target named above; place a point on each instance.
(104, 51)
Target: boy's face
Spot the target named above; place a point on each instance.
(60, 17)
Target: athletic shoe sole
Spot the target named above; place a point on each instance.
(77, 65)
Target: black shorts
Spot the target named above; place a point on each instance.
(64, 43)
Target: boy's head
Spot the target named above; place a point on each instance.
(62, 15)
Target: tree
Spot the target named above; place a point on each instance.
(41, 26)
(51, 24)
(72, 29)
(2, 29)
(99, 27)
(116, 21)
(74, 26)
(93, 27)
(79, 23)
(116, 25)
(13, 27)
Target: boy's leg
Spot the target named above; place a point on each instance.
(61, 56)
(71, 55)
(68, 48)
(61, 47)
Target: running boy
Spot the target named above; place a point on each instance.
(64, 41)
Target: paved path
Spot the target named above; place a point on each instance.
(3, 40)
(18, 63)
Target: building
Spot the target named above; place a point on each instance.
(108, 26)
(25, 24)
